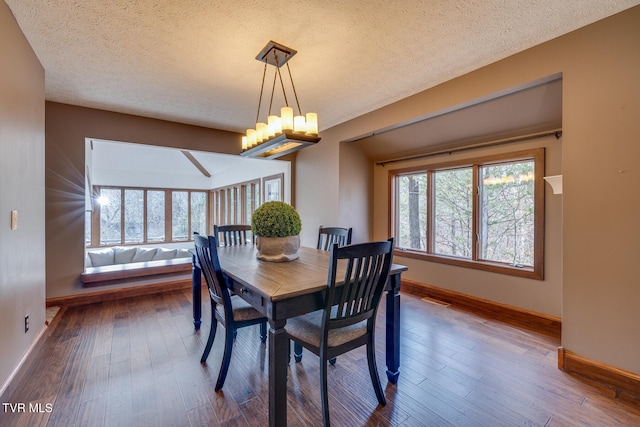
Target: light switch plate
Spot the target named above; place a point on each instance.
(14, 219)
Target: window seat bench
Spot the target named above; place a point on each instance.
(171, 269)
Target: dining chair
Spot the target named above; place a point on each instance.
(233, 234)
(230, 310)
(348, 319)
(327, 236)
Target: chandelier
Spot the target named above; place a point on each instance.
(286, 133)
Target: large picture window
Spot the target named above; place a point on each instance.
(485, 213)
(142, 215)
(124, 215)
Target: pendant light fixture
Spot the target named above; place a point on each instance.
(288, 132)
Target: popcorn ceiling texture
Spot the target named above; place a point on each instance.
(193, 61)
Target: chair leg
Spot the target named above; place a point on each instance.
(263, 331)
(226, 358)
(324, 393)
(332, 361)
(373, 371)
(297, 352)
(212, 335)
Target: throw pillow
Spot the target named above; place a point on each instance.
(101, 257)
(183, 253)
(165, 254)
(144, 254)
(123, 255)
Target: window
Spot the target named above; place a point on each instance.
(485, 213)
(155, 216)
(199, 212)
(453, 212)
(506, 220)
(110, 201)
(412, 211)
(180, 215)
(140, 215)
(236, 203)
(151, 215)
(133, 216)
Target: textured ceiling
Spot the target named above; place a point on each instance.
(192, 61)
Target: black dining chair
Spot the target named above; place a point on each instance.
(348, 318)
(327, 236)
(233, 234)
(230, 310)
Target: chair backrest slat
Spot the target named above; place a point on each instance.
(233, 234)
(367, 270)
(328, 236)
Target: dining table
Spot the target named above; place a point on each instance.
(282, 290)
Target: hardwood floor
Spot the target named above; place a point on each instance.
(135, 362)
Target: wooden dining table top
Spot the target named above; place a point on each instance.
(277, 281)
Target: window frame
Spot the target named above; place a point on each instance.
(168, 203)
(230, 202)
(533, 272)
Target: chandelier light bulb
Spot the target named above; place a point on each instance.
(251, 138)
(286, 115)
(299, 125)
(274, 123)
(312, 124)
(261, 132)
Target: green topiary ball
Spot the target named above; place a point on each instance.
(276, 219)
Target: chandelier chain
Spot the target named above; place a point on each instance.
(264, 74)
(273, 89)
(295, 94)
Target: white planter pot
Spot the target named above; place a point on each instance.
(278, 249)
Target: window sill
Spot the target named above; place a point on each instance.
(493, 267)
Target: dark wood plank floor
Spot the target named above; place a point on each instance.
(135, 362)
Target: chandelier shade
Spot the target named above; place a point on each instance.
(275, 136)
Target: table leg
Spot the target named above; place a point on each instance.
(393, 329)
(196, 284)
(278, 365)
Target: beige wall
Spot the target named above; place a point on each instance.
(599, 293)
(22, 268)
(67, 127)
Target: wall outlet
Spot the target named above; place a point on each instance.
(26, 323)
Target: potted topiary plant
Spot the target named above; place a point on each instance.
(277, 228)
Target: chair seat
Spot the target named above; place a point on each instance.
(242, 310)
(307, 328)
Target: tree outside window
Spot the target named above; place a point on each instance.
(180, 215)
(199, 212)
(133, 216)
(507, 213)
(412, 211)
(453, 212)
(155, 216)
(110, 201)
